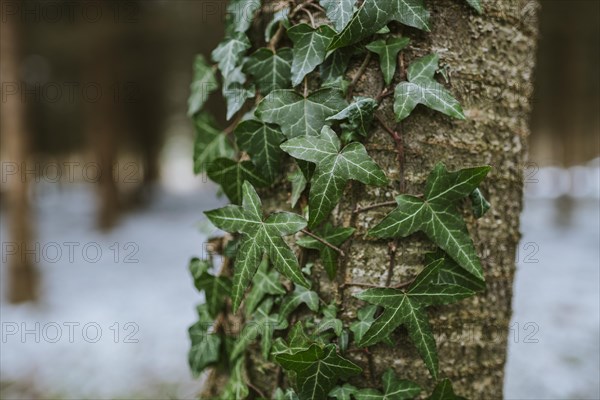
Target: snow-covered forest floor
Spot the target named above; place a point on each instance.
(117, 327)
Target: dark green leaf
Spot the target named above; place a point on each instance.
(421, 88)
(317, 370)
(444, 391)
(358, 114)
(330, 321)
(232, 174)
(375, 14)
(480, 204)
(203, 84)
(270, 70)
(393, 389)
(310, 49)
(260, 236)
(210, 143)
(264, 282)
(236, 387)
(235, 95)
(335, 65)
(334, 236)
(205, 346)
(298, 185)
(437, 215)
(241, 13)
(298, 296)
(216, 288)
(300, 116)
(261, 141)
(450, 273)
(476, 4)
(388, 55)
(280, 17)
(338, 11)
(334, 169)
(229, 53)
(343, 392)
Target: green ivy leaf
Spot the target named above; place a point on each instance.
(335, 65)
(236, 95)
(310, 49)
(388, 55)
(330, 321)
(205, 346)
(476, 4)
(374, 15)
(261, 141)
(334, 236)
(408, 308)
(393, 389)
(298, 185)
(343, 392)
(338, 11)
(263, 324)
(232, 174)
(358, 114)
(366, 317)
(260, 236)
(444, 391)
(280, 17)
(236, 387)
(437, 215)
(334, 169)
(317, 370)
(480, 204)
(289, 394)
(421, 88)
(450, 273)
(216, 288)
(264, 282)
(270, 70)
(203, 84)
(229, 53)
(294, 299)
(298, 115)
(241, 13)
(210, 143)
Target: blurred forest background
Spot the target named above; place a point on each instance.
(96, 156)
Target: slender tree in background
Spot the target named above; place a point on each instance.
(389, 97)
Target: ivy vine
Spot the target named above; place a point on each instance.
(296, 103)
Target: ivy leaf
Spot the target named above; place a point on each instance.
(264, 282)
(205, 346)
(393, 389)
(260, 236)
(366, 317)
(216, 288)
(232, 174)
(330, 321)
(298, 115)
(298, 185)
(480, 204)
(229, 52)
(236, 388)
(421, 88)
(310, 49)
(408, 308)
(388, 53)
(450, 273)
(437, 215)
(317, 370)
(203, 84)
(270, 70)
(298, 342)
(241, 13)
(476, 4)
(334, 169)
(358, 114)
(444, 391)
(298, 296)
(281, 16)
(334, 236)
(374, 15)
(335, 65)
(287, 395)
(343, 392)
(261, 141)
(263, 324)
(210, 143)
(338, 11)
(236, 95)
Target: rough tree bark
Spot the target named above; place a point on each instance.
(489, 60)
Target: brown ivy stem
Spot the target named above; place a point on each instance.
(323, 241)
(281, 29)
(384, 93)
(310, 16)
(361, 71)
(257, 390)
(373, 206)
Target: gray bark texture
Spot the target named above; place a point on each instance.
(489, 62)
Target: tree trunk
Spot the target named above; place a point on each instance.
(489, 62)
(20, 251)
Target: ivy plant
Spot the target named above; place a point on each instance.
(294, 120)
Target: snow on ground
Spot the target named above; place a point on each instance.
(150, 302)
